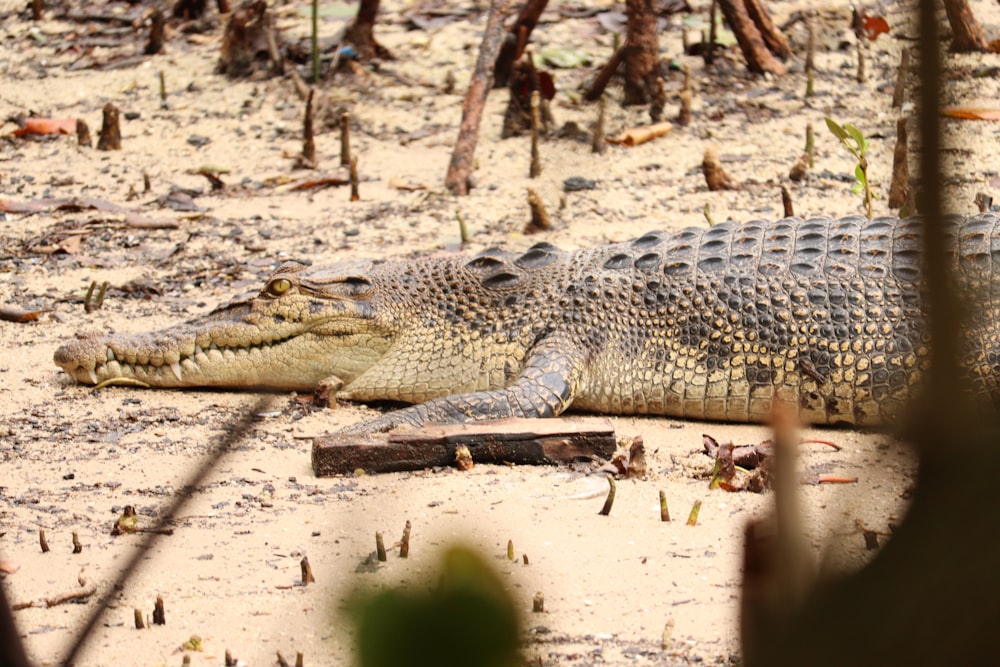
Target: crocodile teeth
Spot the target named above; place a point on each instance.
(198, 350)
(93, 376)
(176, 368)
(111, 355)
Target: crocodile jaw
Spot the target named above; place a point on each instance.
(183, 357)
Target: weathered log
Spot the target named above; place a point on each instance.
(518, 441)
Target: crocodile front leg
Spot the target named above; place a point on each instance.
(545, 388)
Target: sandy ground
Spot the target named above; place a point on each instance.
(73, 457)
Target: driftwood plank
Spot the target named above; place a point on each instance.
(518, 441)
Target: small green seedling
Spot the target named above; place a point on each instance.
(855, 142)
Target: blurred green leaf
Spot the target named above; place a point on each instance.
(564, 58)
(467, 620)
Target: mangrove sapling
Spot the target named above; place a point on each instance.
(857, 144)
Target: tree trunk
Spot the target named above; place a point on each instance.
(759, 58)
(773, 39)
(361, 33)
(967, 34)
(641, 52)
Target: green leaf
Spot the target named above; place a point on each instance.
(859, 174)
(855, 134)
(836, 129)
(857, 188)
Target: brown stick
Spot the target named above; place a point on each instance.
(684, 115)
(355, 196)
(899, 92)
(72, 596)
(862, 75)
(519, 441)
(539, 216)
(460, 167)
(308, 141)
(759, 58)
(156, 27)
(811, 55)
(610, 500)
(598, 144)
(603, 77)
(535, 168)
(716, 177)
(404, 543)
(713, 32)
(110, 138)
(85, 591)
(786, 202)
(159, 613)
(307, 571)
(345, 139)
(900, 186)
(800, 170)
(82, 133)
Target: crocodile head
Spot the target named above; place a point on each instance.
(306, 327)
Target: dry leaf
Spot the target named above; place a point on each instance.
(972, 113)
(640, 135)
(400, 184)
(15, 314)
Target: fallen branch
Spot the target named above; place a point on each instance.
(86, 590)
(460, 167)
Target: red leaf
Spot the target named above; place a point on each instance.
(874, 26)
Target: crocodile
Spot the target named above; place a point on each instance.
(713, 323)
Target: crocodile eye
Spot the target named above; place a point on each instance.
(279, 286)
